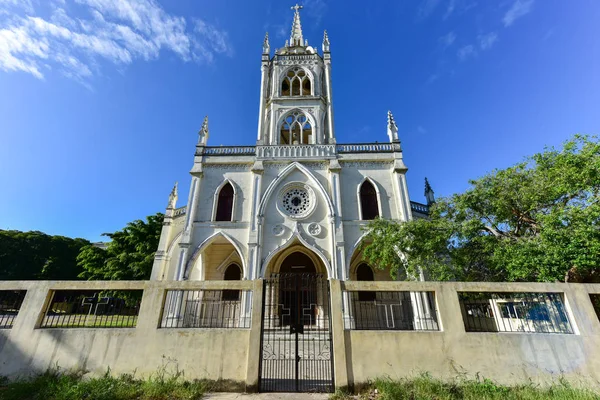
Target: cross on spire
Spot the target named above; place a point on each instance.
(296, 38)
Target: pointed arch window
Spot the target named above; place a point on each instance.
(364, 273)
(296, 83)
(225, 203)
(232, 273)
(295, 129)
(369, 206)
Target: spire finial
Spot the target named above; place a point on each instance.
(266, 46)
(325, 42)
(173, 197)
(429, 193)
(203, 134)
(296, 38)
(392, 128)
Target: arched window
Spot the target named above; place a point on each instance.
(365, 273)
(232, 273)
(296, 83)
(295, 129)
(368, 201)
(225, 203)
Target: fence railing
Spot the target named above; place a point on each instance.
(419, 207)
(92, 309)
(368, 147)
(180, 211)
(514, 312)
(390, 310)
(296, 151)
(10, 304)
(206, 309)
(229, 151)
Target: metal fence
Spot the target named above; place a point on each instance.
(514, 312)
(398, 310)
(10, 304)
(207, 309)
(595, 298)
(92, 309)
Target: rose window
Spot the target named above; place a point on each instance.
(296, 200)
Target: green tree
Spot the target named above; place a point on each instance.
(36, 255)
(130, 253)
(538, 220)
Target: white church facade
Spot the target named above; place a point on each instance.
(295, 202)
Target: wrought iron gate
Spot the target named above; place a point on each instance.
(296, 350)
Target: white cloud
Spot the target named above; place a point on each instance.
(23, 4)
(115, 31)
(487, 41)
(427, 7)
(213, 38)
(465, 52)
(519, 9)
(448, 39)
(450, 9)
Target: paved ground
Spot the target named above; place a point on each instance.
(266, 396)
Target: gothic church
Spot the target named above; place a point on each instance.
(297, 200)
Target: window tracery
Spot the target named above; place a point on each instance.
(296, 83)
(296, 129)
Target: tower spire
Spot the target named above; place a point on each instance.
(203, 134)
(392, 128)
(266, 46)
(325, 42)
(429, 193)
(296, 38)
(173, 197)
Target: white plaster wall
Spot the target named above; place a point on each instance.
(272, 243)
(214, 175)
(353, 174)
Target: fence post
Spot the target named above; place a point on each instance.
(340, 368)
(580, 309)
(151, 308)
(450, 315)
(253, 361)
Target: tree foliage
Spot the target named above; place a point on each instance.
(130, 253)
(538, 220)
(36, 255)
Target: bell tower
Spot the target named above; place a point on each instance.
(295, 96)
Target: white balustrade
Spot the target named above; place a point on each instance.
(296, 151)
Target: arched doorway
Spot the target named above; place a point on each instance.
(297, 263)
(297, 290)
(296, 332)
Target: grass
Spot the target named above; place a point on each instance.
(428, 388)
(72, 386)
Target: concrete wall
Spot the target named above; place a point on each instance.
(219, 354)
(359, 356)
(505, 357)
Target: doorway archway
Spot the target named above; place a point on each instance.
(297, 263)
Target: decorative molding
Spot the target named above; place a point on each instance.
(278, 230)
(314, 229)
(229, 167)
(367, 164)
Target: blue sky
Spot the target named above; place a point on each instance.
(101, 100)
